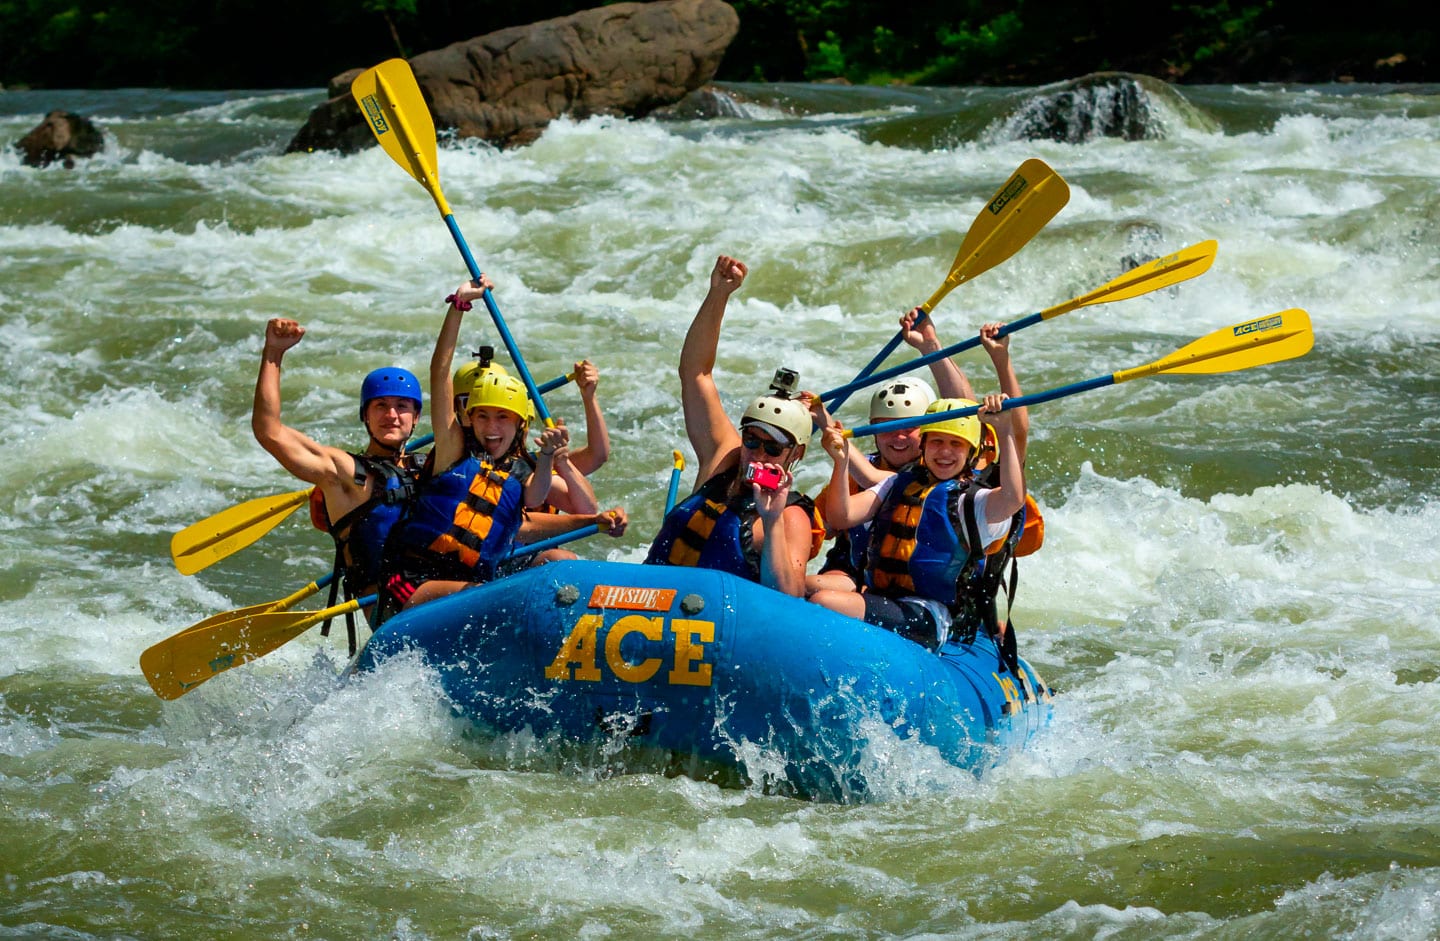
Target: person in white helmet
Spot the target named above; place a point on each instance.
(939, 539)
(758, 529)
(906, 397)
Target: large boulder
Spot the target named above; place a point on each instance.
(506, 86)
(61, 136)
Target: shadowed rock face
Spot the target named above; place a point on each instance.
(61, 136)
(1102, 104)
(505, 87)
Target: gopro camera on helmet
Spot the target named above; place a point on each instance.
(486, 355)
(767, 477)
(785, 381)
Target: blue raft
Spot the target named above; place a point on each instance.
(712, 669)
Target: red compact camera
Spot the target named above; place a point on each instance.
(768, 478)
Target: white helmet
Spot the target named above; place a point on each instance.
(903, 398)
(789, 415)
(781, 410)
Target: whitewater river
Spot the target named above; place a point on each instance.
(1236, 601)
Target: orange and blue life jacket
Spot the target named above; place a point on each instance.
(711, 529)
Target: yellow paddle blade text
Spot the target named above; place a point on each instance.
(1257, 342)
(393, 106)
(1019, 209)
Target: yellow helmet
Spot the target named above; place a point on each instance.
(464, 381)
(493, 388)
(967, 428)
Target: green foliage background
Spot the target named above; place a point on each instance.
(284, 44)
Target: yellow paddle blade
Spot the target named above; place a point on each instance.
(1019, 209)
(227, 532)
(1160, 273)
(264, 607)
(183, 661)
(1258, 342)
(393, 106)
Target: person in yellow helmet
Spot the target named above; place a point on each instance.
(904, 397)
(931, 526)
(470, 508)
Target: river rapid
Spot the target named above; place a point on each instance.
(1236, 600)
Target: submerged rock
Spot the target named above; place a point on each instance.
(62, 136)
(506, 86)
(1102, 104)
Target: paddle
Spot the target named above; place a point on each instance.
(202, 544)
(1258, 342)
(1161, 273)
(265, 607)
(1018, 210)
(183, 661)
(398, 116)
(674, 481)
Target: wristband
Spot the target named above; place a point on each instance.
(458, 303)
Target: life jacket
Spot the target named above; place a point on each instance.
(361, 533)
(462, 521)
(1033, 535)
(712, 530)
(925, 540)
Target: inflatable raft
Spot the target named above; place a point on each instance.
(712, 669)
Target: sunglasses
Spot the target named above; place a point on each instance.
(755, 443)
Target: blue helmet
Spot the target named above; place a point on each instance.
(391, 380)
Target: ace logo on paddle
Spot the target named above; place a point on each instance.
(677, 645)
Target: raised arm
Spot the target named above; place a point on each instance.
(999, 350)
(299, 454)
(844, 509)
(1007, 500)
(449, 436)
(712, 435)
(592, 457)
(949, 379)
(570, 492)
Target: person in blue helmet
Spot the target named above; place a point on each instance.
(358, 496)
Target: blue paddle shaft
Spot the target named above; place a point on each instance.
(553, 541)
(499, 321)
(1060, 392)
(879, 358)
(840, 393)
(674, 490)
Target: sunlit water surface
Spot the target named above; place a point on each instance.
(1236, 599)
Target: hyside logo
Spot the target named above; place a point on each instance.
(1257, 326)
(374, 115)
(1012, 189)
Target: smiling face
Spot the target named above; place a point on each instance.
(390, 419)
(897, 448)
(495, 428)
(945, 455)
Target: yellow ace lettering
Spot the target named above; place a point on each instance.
(578, 649)
(581, 656)
(690, 640)
(650, 629)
